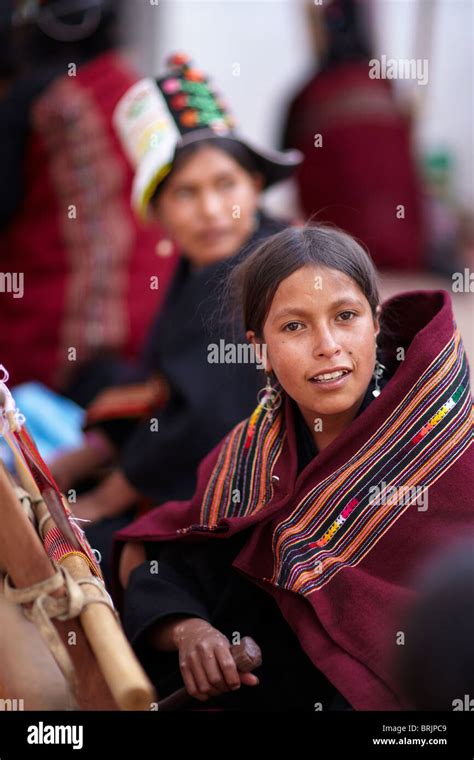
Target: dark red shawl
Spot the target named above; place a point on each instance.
(340, 562)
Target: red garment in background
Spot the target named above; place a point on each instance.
(364, 170)
(87, 264)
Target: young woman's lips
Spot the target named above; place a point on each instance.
(329, 385)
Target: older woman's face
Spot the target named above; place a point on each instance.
(319, 323)
(208, 206)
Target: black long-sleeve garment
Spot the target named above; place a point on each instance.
(15, 108)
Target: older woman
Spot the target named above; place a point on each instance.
(311, 516)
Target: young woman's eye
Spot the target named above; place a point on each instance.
(347, 315)
(292, 326)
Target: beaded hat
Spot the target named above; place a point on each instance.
(157, 117)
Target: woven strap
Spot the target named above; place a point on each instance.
(46, 607)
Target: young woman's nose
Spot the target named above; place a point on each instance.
(325, 343)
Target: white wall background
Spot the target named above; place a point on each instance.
(270, 42)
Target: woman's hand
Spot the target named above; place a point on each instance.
(74, 465)
(114, 496)
(88, 508)
(205, 659)
(70, 467)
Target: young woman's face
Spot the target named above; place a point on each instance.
(208, 206)
(320, 321)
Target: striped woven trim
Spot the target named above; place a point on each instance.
(337, 523)
(241, 482)
(58, 548)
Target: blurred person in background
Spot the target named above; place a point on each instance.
(360, 171)
(66, 226)
(435, 665)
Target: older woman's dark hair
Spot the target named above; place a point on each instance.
(254, 282)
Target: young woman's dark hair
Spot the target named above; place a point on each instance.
(234, 149)
(253, 284)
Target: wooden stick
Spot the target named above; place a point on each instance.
(123, 673)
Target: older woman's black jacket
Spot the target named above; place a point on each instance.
(206, 399)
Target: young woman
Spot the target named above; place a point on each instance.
(312, 515)
(205, 191)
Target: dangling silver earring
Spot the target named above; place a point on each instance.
(378, 374)
(269, 397)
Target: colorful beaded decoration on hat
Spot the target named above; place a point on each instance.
(190, 99)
